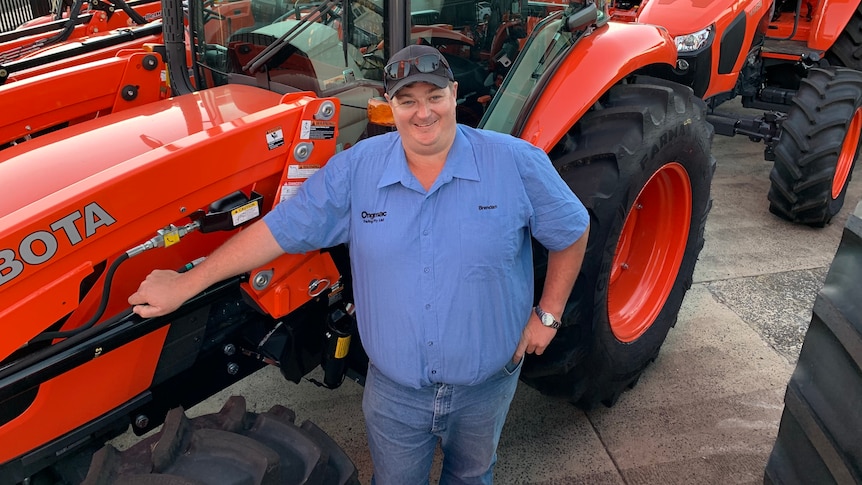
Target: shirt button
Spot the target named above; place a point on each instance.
(428, 306)
(433, 371)
(430, 344)
(427, 269)
(425, 232)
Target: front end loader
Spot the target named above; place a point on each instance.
(272, 92)
(61, 98)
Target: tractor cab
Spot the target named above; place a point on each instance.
(339, 49)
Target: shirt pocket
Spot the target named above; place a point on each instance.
(491, 241)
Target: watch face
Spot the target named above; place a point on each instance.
(547, 319)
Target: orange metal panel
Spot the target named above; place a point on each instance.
(96, 23)
(828, 22)
(96, 387)
(68, 61)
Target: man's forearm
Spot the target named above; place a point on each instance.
(163, 291)
(563, 269)
(248, 249)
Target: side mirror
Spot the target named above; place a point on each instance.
(588, 15)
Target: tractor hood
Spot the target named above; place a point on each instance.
(38, 168)
(682, 17)
(81, 196)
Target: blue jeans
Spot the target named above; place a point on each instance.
(405, 424)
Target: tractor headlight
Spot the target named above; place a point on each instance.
(692, 42)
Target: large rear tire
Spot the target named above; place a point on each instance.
(818, 438)
(847, 50)
(230, 447)
(818, 147)
(642, 166)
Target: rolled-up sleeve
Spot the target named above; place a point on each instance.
(559, 218)
(317, 216)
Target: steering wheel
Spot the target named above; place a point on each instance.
(210, 13)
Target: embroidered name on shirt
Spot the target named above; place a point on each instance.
(487, 207)
(372, 217)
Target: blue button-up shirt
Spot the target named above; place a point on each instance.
(443, 278)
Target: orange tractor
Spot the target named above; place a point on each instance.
(800, 61)
(272, 91)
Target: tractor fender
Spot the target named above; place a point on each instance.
(828, 21)
(596, 63)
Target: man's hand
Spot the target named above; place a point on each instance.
(164, 291)
(534, 339)
(563, 267)
(159, 294)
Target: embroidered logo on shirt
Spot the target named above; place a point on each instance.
(372, 217)
(487, 207)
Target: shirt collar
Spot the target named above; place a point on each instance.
(460, 163)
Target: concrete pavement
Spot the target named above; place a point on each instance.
(706, 411)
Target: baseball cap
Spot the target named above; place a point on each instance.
(416, 63)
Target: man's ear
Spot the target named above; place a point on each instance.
(455, 89)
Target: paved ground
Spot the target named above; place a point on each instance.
(706, 411)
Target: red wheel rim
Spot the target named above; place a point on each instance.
(649, 252)
(847, 155)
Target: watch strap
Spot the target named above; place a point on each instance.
(547, 319)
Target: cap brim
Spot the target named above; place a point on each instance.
(422, 77)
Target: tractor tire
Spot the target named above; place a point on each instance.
(818, 437)
(230, 447)
(818, 147)
(642, 166)
(847, 50)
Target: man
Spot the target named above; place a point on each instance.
(438, 218)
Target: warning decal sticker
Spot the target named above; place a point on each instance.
(244, 213)
(288, 191)
(274, 138)
(317, 130)
(301, 171)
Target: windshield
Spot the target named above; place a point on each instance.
(544, 46)
(550, 40)
(301, 46)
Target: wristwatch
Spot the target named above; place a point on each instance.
(546, 318)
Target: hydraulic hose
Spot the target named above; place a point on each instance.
(103, 304)
(163, 238)
(132, 13)
(69, 27)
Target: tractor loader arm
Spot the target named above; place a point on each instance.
(102, 18)
(80, 51)
(71, 95)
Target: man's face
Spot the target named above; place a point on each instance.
(425, 117)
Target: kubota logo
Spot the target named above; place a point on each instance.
(40, 246)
